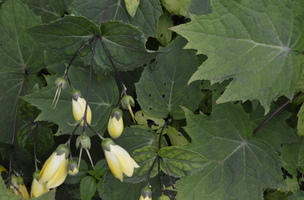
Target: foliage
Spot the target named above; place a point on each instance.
(204, 76)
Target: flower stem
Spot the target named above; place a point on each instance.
(69, 140)
(35, 136)
(149, 174)
(96, 132)
(105, 13)
(167, 172)
(89, 85)
(66, 74)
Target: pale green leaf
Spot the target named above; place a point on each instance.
(144, 119)
(146, 17)
(46, 196)
(131, 6)
(300, 126)
(176, 137)
(6, 194)
(258, 44)
(163, 88)
(181, 161)
(177, 7)
(242, 167)
(163, 35)
(199, 7)
(297, 196)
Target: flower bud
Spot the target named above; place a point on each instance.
(146, 194)
(37, 189)
(83, 141)
(115, 124)
(126, 102)
(72, 168)
(61, 85)
(79, 106)
(163, 197)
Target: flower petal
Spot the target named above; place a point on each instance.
(50, 167)
(125, 160)
(38, 189)
(77, 110)
(59, 176)
(114, 165)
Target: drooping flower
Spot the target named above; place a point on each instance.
(72, 167)
(55, 168)
(78, 107)
(119, 160)
(37, 188)
(18, 187)
(126, 102)
(146, 194)
(61, 85)
(115, 124)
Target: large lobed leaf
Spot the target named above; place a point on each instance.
(241, 167)
(163, 88)
(256, 43)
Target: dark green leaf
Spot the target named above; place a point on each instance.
(180, 161)
(146, 17)
(125, 44)
(21, 155)
(5, 194)
(293, 155)
(257, 44)
(88, 188)
(241, 168)
(137, 137)
(297, 196)
(163, 88)
(103, 95)
(27, 112)
(44, 138)
(145, 158)
(300, 126)
(63, 37)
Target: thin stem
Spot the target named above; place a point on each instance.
(69, 141)
(108, 54)
(90, 158)
(159, 177)
(66, 74)
(160, 135)
(15, 128)
(273, 114)
(35, 136)
(96, 132)
(167, 173)
(149, 174)
(79, 159)
(169, 194)
(88, 91)
(105, 13)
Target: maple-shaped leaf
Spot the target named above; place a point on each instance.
(256, 43)
(241, 167)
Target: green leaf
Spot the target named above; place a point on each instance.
(163, 35)
(276, 195)
(23, 157)
(44, 138)
(176, 137)
(131, 6)
(199, 7)
(6, 194)
(177, 7)
(144, 119)
(180, 161)
(27, 112)
(276, 132)
(256, 44)
(83, 168)
(293, 155)
(48, 10)
(103, 95)
(292, 184)
(63, 37)
(146, 17)
(18, 51)
(145, 158)
(297, 196)
(125, 44)
(300, 125)
(88, 188)
(138, 137)
(162, 88)
(241, 168)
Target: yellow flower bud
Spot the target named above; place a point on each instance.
(61, 85)
(78, 107)
(126, 102)
(18, 187)
(37, 189)
(55, 168)
(119, 160)
(72, 167)
(115, 124)
(163, 197)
